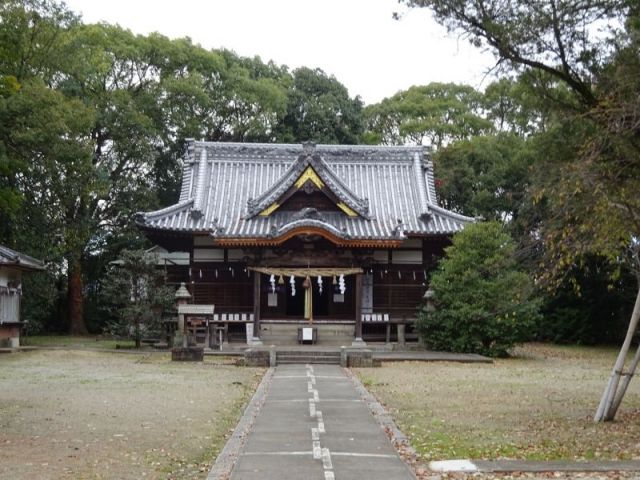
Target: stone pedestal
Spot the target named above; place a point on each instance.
(187, 354)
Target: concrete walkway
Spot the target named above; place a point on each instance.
(313, 424)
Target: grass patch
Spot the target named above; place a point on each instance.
(85, 414)
(537, 406)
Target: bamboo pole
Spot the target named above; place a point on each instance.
(606, 402)
(625, 384)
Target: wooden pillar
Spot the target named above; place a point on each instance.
(358, 339)
(256, 306)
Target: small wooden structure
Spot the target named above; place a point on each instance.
(282, 236)
(12, 265)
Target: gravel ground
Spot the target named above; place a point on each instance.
(91, 415)
(538, 406)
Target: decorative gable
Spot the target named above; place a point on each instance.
(308, 174)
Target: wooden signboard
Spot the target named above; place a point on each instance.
(195, 309)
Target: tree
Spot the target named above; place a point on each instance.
(135, 290)
(30, 35)
(567, 40)
(517, 106)
(484, 303)
(484, 176)
(435, 114)
(320, 109)
(591, 47)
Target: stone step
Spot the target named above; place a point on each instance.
(287, 334)
(309, 356)
(310, 353)
(305, 360)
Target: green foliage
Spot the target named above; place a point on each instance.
(485, 176)
(436, 114)
(568, 40)
(591, 306)
(319, 109)
(484, 304)
(40, 301)
(135, 291)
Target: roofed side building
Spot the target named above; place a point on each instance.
(12, 265)
(361, 223)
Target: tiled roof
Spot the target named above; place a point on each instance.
(226, 184)
(11, 258)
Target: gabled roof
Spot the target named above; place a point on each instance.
(11, 258)
(227, 189)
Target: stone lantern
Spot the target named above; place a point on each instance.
(182, 297)
(429, 300)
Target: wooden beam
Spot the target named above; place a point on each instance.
(342, 242)
(358, 306)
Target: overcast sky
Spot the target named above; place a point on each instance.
(373, 55)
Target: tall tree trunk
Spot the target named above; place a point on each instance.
(612, 396)
(75, 299)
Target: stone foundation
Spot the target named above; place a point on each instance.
(360, 358)
(256, 357)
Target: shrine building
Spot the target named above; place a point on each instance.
(280, 236)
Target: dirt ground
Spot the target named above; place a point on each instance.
(538, 406)
(89, 415)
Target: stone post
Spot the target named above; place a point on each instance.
(182, 297)
(401, 338)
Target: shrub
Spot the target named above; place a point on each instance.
(484, 304)
(136, 296)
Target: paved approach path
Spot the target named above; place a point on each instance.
(314, 425)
